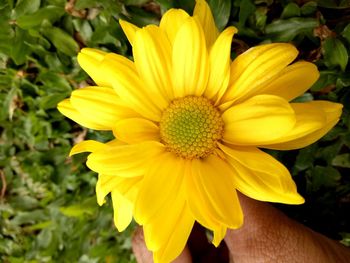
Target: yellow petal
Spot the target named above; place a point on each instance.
(158, 230)
(89, 59)
(178, 231)
(260, 176)
(67, 109)
(158, 186)
(129, 30)
(203, 13)
(309, 118)
(219, 235)
(92, 146)
(196, 198)
(219, 61)
(105, 184)
(108, 183)
(125, 160)
(293, 81)
(101, 104)
(122, 208)
(301, 136)
(170, 227)
(261, 119)
(96, 54)
(190, 60)
(121, 72)
(87, 146)
(171, 21)
(214, 180)
(256, 67)
(152, 56)
(115, 142)
(136, 130)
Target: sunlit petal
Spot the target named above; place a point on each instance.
(203, 13)
(67, 109)
(260, 119)
(219, 61)
(314, 120)
(136, 130)
(129, 30)
(190, 60)
(171, 21)
(124, 160)
(254, 68)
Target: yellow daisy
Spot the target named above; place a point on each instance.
(189, 123)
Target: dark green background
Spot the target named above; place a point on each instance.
(48, 211)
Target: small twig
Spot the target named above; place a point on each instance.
(4, 185)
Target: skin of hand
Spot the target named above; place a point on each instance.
(267, 235)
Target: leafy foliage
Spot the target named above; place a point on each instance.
(48, 211)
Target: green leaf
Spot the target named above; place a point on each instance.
(305, 158)
(342, 160)
(324, 177)
(135, 2)
(82, 4)
(304, 98)
(330, 151)
(24, 202)
(291, 10)
(187, 5)
(7, 34)
(221, 10)
(51, 101)
(309, 8)
(165, 4)
(44, 238)
(51, 13)
(77, 210)
(247, 8)
(25, 7)
(84, 28)
(334, 4)
(20, 49)
(287, 30)
(326, 78)
(7, 102)
(61, 40)
(10, 3)
(335, 53)
(261, 17)
(54, 83)
(346, 33)
(31, 217)
(141, 17)
(38, 226)
(345, 239)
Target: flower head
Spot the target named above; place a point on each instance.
(189, 123)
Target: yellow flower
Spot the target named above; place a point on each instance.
(189, 123)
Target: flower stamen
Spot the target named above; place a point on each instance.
(191, 127)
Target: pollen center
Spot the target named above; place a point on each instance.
(191, 127)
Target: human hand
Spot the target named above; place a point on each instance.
(266, 236)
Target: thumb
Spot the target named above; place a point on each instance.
(269, 236)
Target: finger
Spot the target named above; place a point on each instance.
(247, 243)
(267, 235)
(143, 255)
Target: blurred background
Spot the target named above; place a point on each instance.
(48, 209)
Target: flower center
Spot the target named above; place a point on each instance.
(191, 127)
